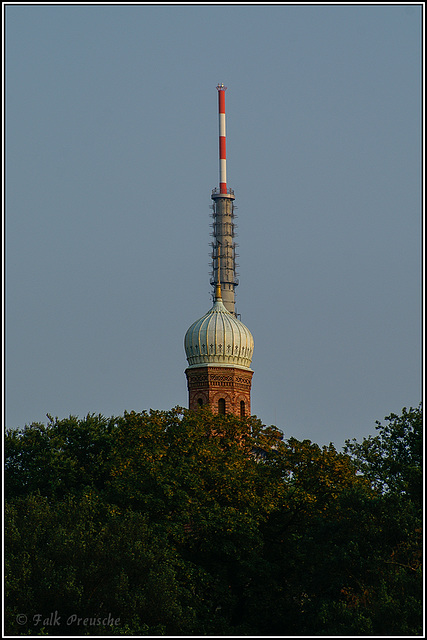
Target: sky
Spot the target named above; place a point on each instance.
(111, 154)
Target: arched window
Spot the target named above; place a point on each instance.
(200, 402)
(221, 406)
(242, 409)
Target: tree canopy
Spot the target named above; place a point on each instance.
(188, 523)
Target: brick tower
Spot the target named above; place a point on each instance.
(219, 346)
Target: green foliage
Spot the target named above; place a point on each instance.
(60, 458)
(186, 523)
(392, 460)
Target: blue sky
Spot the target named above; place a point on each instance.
(111, 155)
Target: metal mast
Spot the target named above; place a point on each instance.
(223, 221)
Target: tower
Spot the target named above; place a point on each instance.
(219, 346)
(223, 218)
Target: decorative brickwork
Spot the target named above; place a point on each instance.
(207, 385)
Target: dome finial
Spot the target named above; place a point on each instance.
(218, 295)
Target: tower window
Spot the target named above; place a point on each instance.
(200, 402)
(242, 409)
(221, 406)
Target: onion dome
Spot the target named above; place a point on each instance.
(219, 339)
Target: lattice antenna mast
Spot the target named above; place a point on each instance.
(218, 295)
(224, 271)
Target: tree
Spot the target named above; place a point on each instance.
(180, 523)
(59, 458)
(392, 460)
(81, 557)
(183, 489)
(392, 463)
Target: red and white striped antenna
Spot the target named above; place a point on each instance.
(222, 148)
(224, 267)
